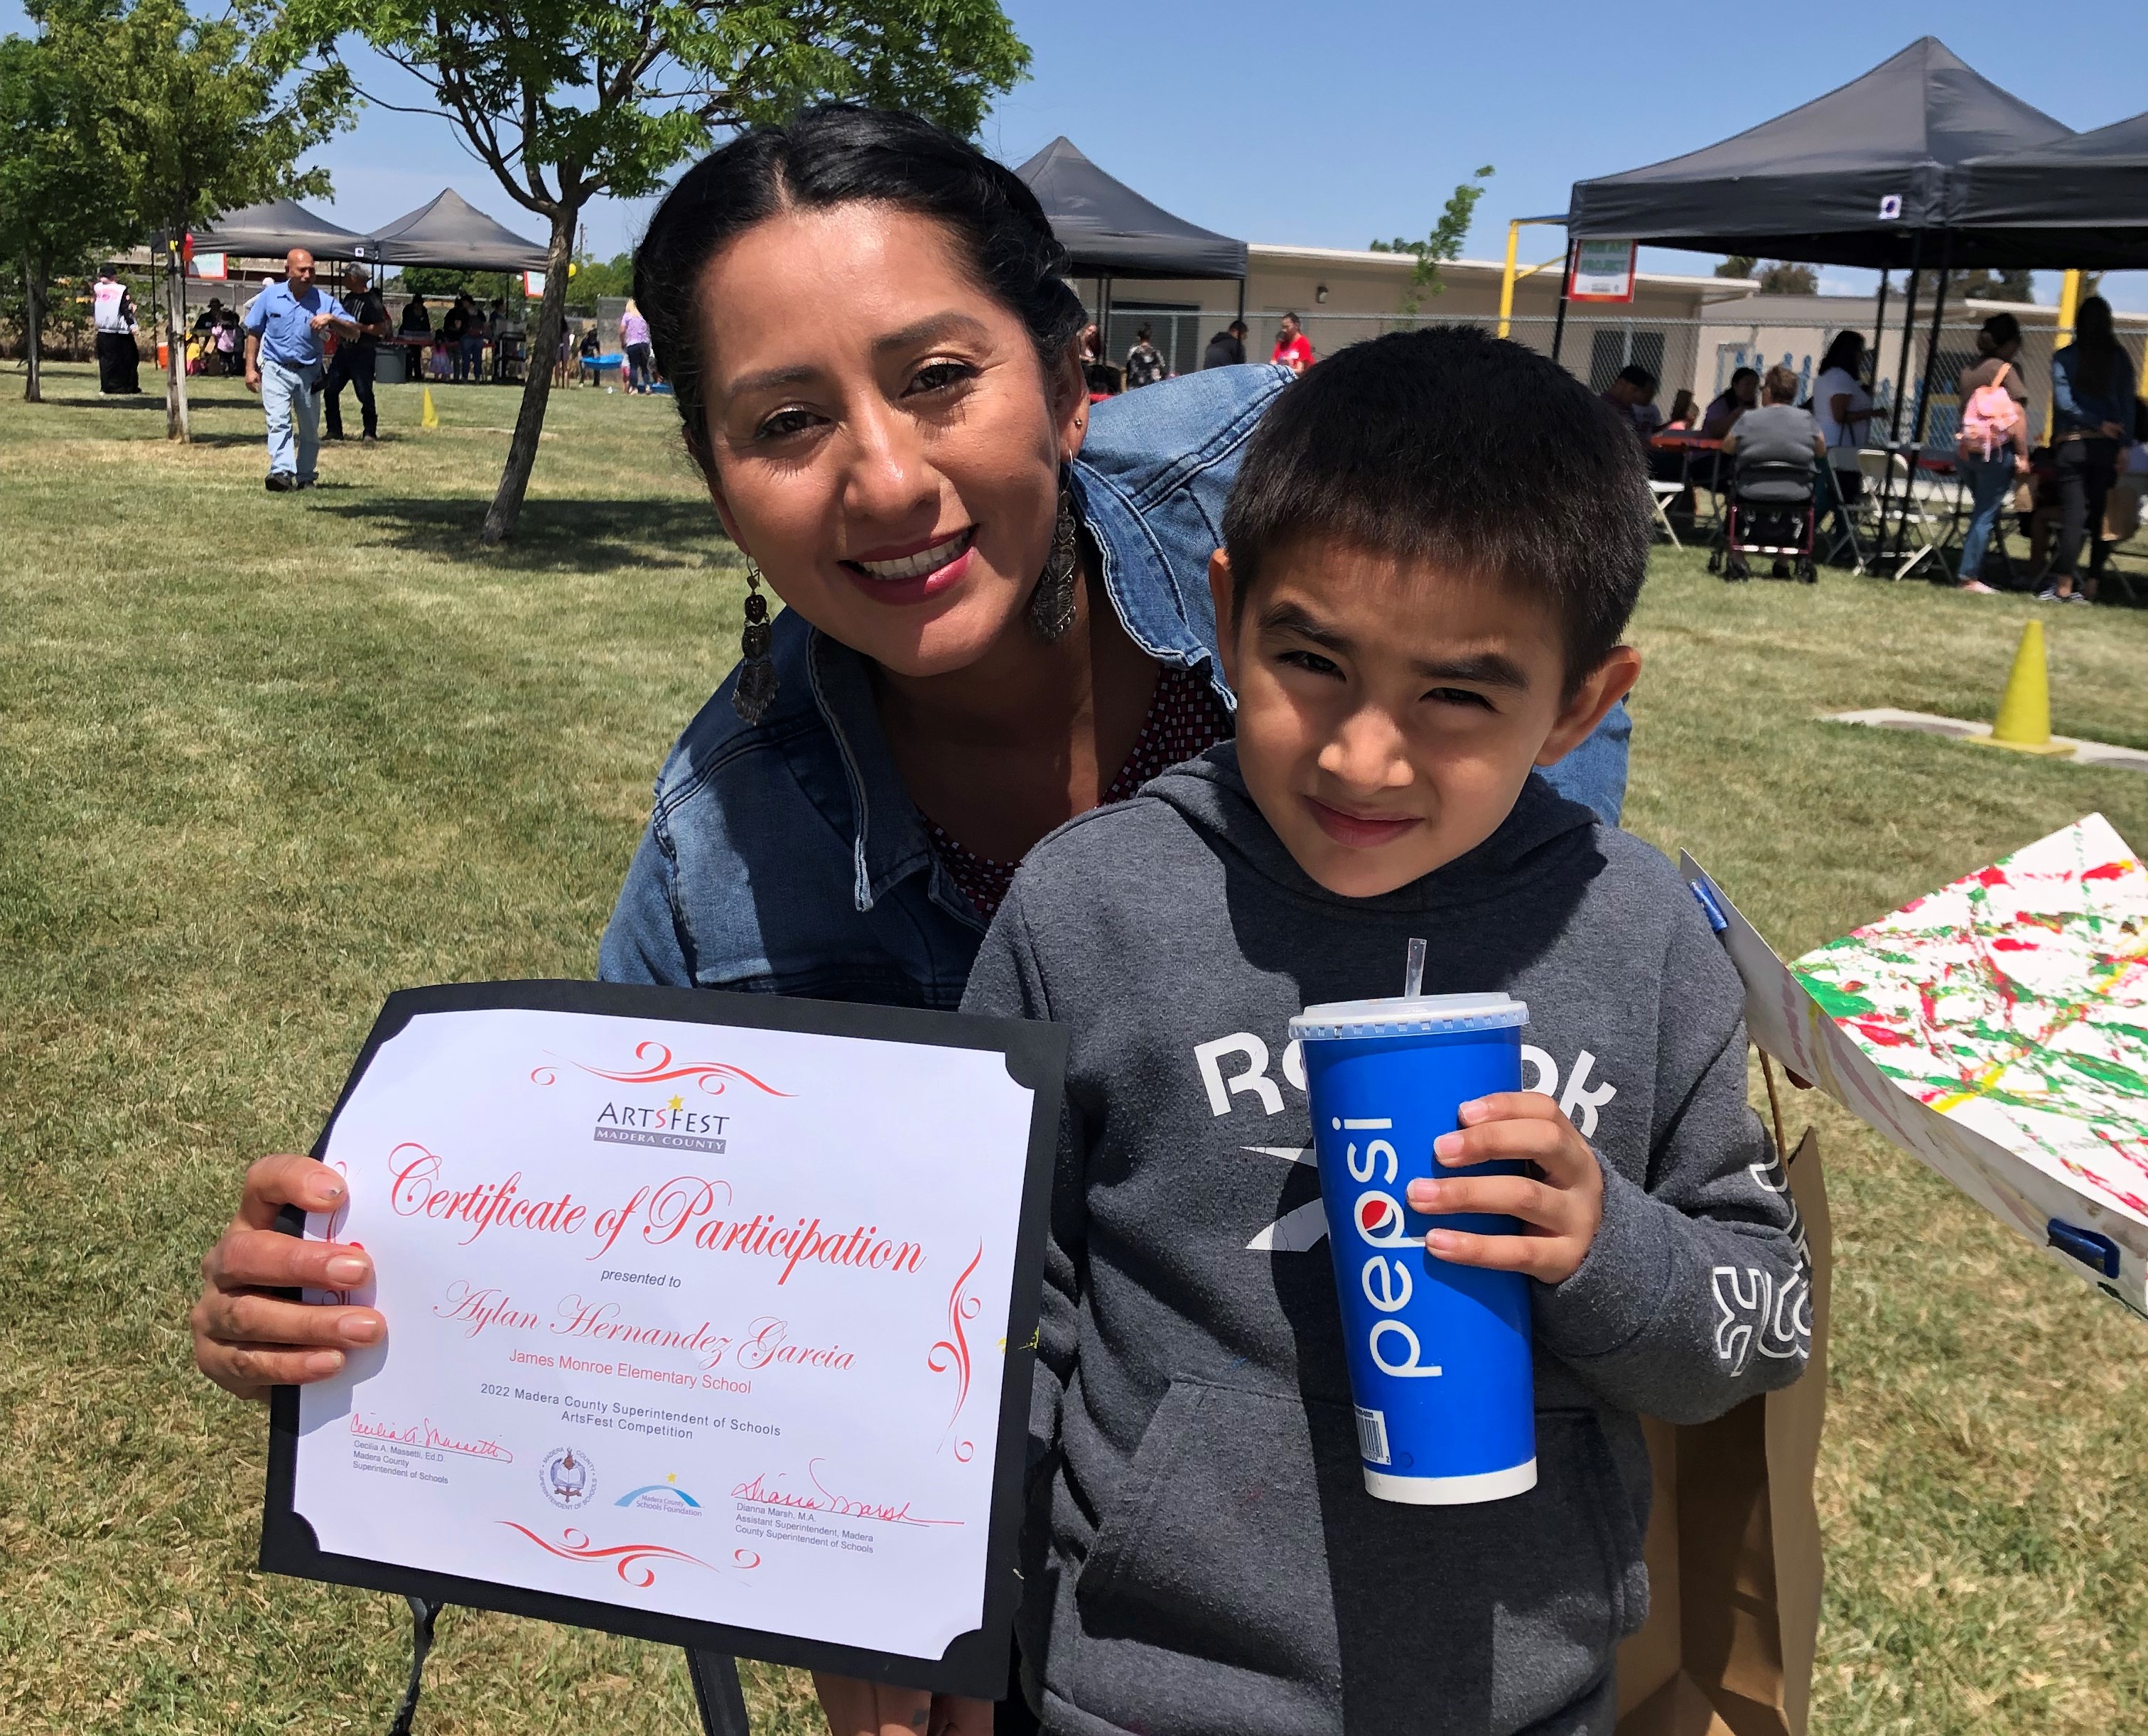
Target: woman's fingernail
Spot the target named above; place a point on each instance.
(344, 1270)
(328, 1190)
(323, 1362)
(360, 1328)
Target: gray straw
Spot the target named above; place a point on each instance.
(1414, 978)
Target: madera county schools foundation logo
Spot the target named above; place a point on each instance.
(567, 1478)
(664, 1497)
(670, 1126)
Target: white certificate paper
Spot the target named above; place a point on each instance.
(701, 1320)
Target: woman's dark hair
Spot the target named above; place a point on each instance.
(1998, 330)
(2095, 346)
(837, 154)
(1845, 353)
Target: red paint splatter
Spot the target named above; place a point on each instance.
(2107, 870)
(2006, 943)
(1879, 1034)
(1991, 877)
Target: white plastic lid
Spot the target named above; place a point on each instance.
(1410, 1015)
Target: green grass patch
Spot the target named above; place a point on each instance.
(264, 757)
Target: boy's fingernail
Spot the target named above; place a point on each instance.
(323, 1362)
(359, 1329)
(1447, 1145)
(1440, 1241)
(345, 1270)
(1425, 1195)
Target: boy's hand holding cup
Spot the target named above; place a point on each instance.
(1560, 1206)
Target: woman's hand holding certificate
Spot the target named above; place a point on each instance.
(705, 1322)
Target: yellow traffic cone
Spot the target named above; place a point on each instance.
(2024, 709)
(428, 416)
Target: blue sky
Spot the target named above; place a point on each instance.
(1329, 124)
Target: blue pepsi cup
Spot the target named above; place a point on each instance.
(1438, 1355)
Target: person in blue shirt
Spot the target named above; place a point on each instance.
(286, 329)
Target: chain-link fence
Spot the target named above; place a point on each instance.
(1698, 354)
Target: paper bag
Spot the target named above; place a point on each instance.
(1733, 1546)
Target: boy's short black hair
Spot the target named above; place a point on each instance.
(1634, 374)
(1452, 447)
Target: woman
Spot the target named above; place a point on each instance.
(634, 339)
(1144, 361)
(1843, 408)
(1742, 394)
(417, 320)
(1992, 452)
(1684, 408)
(997, 615)
(2092, 413)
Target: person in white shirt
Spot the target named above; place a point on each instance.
(118, 357)
(1843, 408)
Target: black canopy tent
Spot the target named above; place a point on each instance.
(271, 230)
(2084, 198)
(1110, 231)
(1866, 175)
(448, 230)
(1858, 177)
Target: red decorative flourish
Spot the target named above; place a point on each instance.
(745, 1559)
(711, 1075)
(577, 1547)
(953, 1351)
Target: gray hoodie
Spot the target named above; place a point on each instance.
(1202, 1555)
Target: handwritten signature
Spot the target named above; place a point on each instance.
(424, 1434)
(763, 1490)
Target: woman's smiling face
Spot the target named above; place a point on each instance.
(884, 442)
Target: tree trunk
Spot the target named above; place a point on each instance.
(537, 386)
(177, 425)
(34, 324)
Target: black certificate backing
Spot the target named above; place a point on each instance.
(975, 1663)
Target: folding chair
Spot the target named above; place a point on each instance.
(1842, 525)
(1660, 494)
(1894, 503)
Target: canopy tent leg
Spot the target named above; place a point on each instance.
(1565, 283)
(1242, 301)
(1923, 404)
(1878, 336)
(1908, 335)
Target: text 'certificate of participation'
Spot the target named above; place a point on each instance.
(705, 1311)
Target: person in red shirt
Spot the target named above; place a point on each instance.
(1294, 348)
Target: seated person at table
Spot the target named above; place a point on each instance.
(1739, 396)
(1683, 405)
(1843, 409)
(1778, 432)
(1429, 559)
(416, 321)
(1632, 394)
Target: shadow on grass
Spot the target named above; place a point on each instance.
(118, 401)
(585, 536)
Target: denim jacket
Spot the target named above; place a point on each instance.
(787, 858)
(2082, 406)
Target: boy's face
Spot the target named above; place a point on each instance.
(1389, 713)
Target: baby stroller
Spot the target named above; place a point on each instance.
(1770, 512)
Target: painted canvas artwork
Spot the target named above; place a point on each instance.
(1997, 1031)
(2016, 1002)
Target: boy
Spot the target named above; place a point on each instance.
(1429, 556)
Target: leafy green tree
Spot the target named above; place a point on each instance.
(1444, 243)
(566, 99)
(1738, 265)
(1782, 278)
(55, 187)
(596, 280)
(192, 121)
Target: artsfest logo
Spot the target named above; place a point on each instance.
(668, 1125)
(663, 1498)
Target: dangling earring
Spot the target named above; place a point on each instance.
(1051, 604)
(756, 691)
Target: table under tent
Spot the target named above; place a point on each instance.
(1877, 174)
(1111, 232)
(448, 232)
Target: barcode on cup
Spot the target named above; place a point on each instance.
(1372, 1436)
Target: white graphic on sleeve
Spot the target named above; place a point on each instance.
(1753, 1314)
(1208, 1056)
